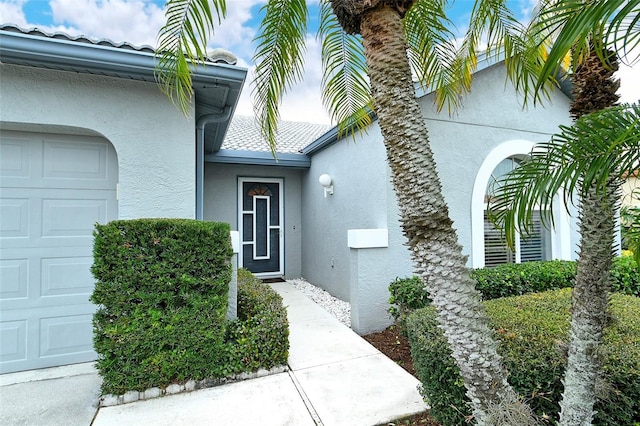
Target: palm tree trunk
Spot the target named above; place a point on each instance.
(594, 90)
(590, 299)
(426, 224)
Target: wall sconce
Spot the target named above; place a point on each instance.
(325, 181)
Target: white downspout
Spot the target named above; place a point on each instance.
(202, 122)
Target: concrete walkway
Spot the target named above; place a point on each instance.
(335, 378)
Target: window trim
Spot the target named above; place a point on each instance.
(560, 235)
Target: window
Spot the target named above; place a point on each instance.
(535, 246)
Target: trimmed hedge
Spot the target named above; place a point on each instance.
(530, 277)
(408, 294)
(625, 276)
(533, 334)
(260, 336)
(162, 289)
(514, 279)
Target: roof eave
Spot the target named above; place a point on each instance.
(66, 55)
(259, 158)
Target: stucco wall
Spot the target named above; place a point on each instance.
(631, 192)
(361, 196)
(221, 203)
(491, 115)
(154, 142)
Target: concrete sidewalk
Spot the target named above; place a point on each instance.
(335, 378)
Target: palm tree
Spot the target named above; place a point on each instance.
(382, 39)
(587, 30)
(581, 161)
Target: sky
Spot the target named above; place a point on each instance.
(138, 22)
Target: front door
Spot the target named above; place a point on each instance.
(261, 225)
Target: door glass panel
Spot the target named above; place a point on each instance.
(261, 242)
(275, 204)
(247, 227)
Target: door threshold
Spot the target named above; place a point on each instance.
(273, 280)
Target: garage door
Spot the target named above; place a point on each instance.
(53, 189)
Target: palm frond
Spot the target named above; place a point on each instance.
(579, 25)
(182, 44)
(503, 33)
(279, 60)
(434, 55)
(345, 88)
(599, 147)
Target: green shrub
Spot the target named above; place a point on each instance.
(513, 279)
(442, 386)
(407, 295)
(260, 336)
(533, 334)
(625, 276)
(161, 290)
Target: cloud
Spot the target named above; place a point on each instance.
(303, 101)
(629, 83)
(133, 21)
(138, 22)
(12, 13)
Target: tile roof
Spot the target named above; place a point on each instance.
(216, 55)
(244, 135)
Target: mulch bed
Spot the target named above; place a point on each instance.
(396, 346)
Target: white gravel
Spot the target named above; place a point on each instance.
(336, 307)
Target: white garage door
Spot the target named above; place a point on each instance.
(53, 189)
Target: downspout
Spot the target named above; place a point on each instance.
(202, 122)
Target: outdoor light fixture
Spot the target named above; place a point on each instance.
(325, 181)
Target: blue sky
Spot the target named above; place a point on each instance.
(138, 21)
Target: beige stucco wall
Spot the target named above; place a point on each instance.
(154, 142)
(631, 192)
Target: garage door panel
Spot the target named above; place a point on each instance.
(44, 278)
(74, 160)
(13, 341)
(15, 158)
(72, 217)
(56, 161)
(14, 279)
(66, 277)
(55, 188)
(14, 217)
(45, 338)
(60, 218)
(66, 335)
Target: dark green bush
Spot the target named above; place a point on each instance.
(260, 336)
(625, 276)
(162, 289)
(442, 385)
(407, 295)
(533, 334)
(513, 279)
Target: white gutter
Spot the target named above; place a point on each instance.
(224, 116)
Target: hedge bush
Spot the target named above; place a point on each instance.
(533, 334)
(530, 277)
(260, 336)
(625, 276)
(513, 279)
(162, 289)
(407, 295)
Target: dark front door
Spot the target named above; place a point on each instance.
(261, 225)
